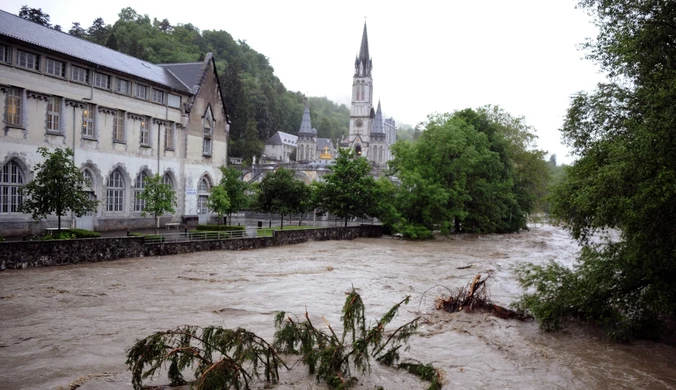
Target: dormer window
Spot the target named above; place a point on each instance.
(208, 125)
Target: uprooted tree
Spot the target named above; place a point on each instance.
(223, 358)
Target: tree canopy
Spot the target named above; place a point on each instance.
(624, 179)
(349, 190)
(58, 187)
(280, 193)
(235, 189)
(159, 198)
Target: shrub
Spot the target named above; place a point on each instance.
(83, 233)
(215, 228)
(416, 232)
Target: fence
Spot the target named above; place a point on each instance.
(198, 236)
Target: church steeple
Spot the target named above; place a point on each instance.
(378, 122)
(305, 123)
(363, 64)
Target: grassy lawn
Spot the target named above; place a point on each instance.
(267, 232)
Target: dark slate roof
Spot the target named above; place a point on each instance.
(364, 49)
(189, 73)
(26, 31)
(378, 122)
(282, 138)
(305, 123)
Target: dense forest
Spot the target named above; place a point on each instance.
(257, 101)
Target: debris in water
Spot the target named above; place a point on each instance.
(475, 297)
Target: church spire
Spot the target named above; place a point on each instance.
(364, 50)
(305, 124)
(378, 122)
(363, 64)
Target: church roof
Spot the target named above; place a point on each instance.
(29, 32)
(305, 123)
(282, 138)
(378, 122)
(323, 142)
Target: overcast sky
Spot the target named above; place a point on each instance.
(428, 56)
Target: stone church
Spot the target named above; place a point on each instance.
(370, 135)
(125, 119)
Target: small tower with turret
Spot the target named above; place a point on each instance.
(307, 138)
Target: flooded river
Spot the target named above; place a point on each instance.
(64, 327)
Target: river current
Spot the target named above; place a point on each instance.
(68, 327)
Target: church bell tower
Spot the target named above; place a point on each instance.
(361, 110)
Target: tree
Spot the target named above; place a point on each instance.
(77, 30)
(235, 189)
(623, 179)
(218, 201)
(159, 198)
(58, 187)
(98, 32)
(349, 191)
(35, 15)
(280, 193)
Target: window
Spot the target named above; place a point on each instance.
(118, 126)
(167, 180)
(158, 96)
(141, 91)
(27, 60)
(169, 137)
(140, 184)
(55, 68)
(174, 101)
(203, 189)
(145, 132)
(88, 121)
(115, 192)
(13, 106)
(11, 179)
(102, 80)
(5, 54)
(208, 132)
(54, 114)
(123, 86)
(81, 75)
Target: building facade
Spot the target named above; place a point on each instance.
(125, 119)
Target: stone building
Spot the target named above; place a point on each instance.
(124, 118)
(280, 147)
(370, 135)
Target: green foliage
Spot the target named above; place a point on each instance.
(218, 201)
(58, 187)
(215, 228)
(280, 193)
(624, 179)
(349, 191)
(331, 357)
(235, 188)
(473, 170)
(83, 233)
(35, 15)
(159, 197)
(221, 358)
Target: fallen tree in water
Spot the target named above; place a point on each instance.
(475, 297)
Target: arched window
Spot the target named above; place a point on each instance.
(139, 185)
(115, 192)
(11, 179)
(203, 188)
(167, 180)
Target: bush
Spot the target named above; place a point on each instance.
(215, 228)
(83, 233)
(416, 232)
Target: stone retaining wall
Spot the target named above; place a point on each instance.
(24, 254)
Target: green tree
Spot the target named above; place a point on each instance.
(77, 30)
(280, 193)
(159, 198)
(235, 189)
(219, 201)
(98, 32)
(35, 15)
(349, 191)
(58, 187)
(624, 179)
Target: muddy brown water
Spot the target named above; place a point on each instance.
(68, 327)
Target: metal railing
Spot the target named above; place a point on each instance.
(196, 236)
